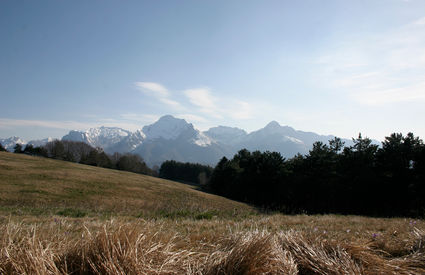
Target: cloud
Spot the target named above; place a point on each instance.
(128, 122)
(170, 102)
(134, 116)
(219, 107)
(139, 118)
(379, 96)
(159, 92)
(204, 104)
(8, 123)
(148, 87)
(378, 69)
(241, 110)
(201, 97)
(420, 21)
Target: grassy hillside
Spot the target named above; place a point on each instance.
(130, 227)
(40, 186)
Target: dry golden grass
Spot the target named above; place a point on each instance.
(40, 186)
(218, 246)
(141, 225)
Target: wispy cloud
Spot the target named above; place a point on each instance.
(380, 69)
(382, 96)
(202, 102)
(140, 119)
(7, 123)
(159, 92)
(241, 110)
(219, 107)
(125, 123)
(171, 103)
(152, 87)
(420, 21)
(203, 99)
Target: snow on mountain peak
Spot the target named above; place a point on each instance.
(99, 137)
(226, 135)
(294, 140)
(9, 143)
(107, 131)
(167, 127)
(40, 142)
(202, 140)
(105, 136)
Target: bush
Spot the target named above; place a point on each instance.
(71, 212)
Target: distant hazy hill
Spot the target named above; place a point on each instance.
(171, 138)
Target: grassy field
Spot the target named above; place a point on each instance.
(40, 186)
(63, 218)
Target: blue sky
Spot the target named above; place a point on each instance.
(332, 67)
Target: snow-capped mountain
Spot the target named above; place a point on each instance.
(226, 135)
(275, 137)
(172, 138)
(171, 128)
(9, 143)
(40, 142)
(283, 139)
(103, 137)
(167, 127)
(127, 144)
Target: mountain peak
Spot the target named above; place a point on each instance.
(273, 124)
(225, 134)
(167, 127)
(168, 117)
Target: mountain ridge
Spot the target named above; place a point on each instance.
(171, 138)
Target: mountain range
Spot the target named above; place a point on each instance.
(172, 138)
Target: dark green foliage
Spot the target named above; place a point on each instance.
(186, 172)
(57, 150)
(29, 148)
(85, 154)
(68, 150)
(35, 151)
(360, 179)
(18, 148)
(2, 149)
(96, 157)
(133, 163)
(71, 212)
(400, 162)
(256, 177)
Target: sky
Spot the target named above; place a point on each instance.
(326, 66)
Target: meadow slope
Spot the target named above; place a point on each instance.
(40, 186)
(63, 218)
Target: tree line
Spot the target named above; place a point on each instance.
(83, 153)
(363, 179)
(185, 172)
